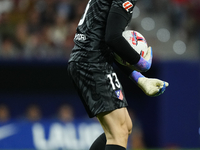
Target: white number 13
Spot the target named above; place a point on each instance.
(114, 80)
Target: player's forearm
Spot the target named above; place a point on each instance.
(135, 75)
(113, 37)
(116, 24)
(121, 47)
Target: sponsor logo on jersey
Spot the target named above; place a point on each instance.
(119, 94)
(127, 5)
(80, 37)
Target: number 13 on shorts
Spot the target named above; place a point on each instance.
(114, 81)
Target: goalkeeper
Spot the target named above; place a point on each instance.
(99, 33)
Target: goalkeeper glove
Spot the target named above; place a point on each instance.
(144, 63)
(151, 87)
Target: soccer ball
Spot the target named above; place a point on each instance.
(137, 42)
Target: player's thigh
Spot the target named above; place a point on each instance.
(116, 123)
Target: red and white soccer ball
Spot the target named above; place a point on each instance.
(137, 42)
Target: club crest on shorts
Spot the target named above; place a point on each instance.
(119, 94)
(127, 5)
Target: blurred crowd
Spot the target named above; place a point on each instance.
(44, 29)
(181, 17)
(184, 17)
(40, 29)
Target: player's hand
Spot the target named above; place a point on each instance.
(144, 64)
(151, 86)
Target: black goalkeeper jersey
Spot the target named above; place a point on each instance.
(90, 45)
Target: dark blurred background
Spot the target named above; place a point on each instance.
(36, 38)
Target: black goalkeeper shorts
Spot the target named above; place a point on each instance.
(98, 87)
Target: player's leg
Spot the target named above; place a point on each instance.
(117, 126)
(102, 95)
(99, 143)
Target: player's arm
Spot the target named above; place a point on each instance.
(150, 86)
(117, 20)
